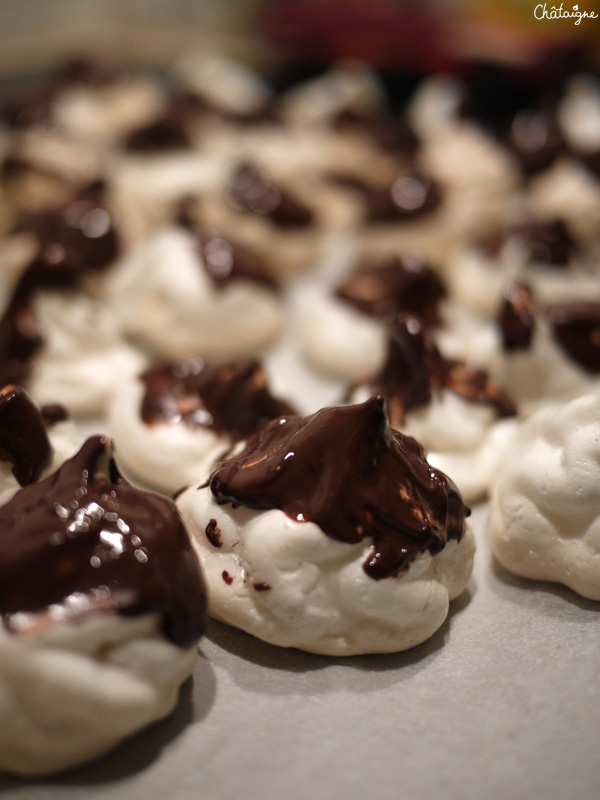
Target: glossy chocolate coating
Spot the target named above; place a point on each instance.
(250, 190)
(346, 470)
(230, 399)
(517, 317)
(576, 327)
(415, 370)
(547, 243)
(73, 239)
(397, 285)
(225, 260)
(535, 139)
(79, 235)
(166, 133)
(410, 195)
(84, 540)
(591, 161)
(53, 413)
(23, 437)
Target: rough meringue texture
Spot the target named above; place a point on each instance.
(84, 540)
(346, 470)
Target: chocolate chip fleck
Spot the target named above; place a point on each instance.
(213, 533)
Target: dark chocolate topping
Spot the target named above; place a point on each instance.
(36, 107)
(73, 239)
(576, 327)
(89, 73)
(53, 413)
(250, 190)
(536, 139)
(167, 133)
(79, 235)
(20, 338)
(346, 470)
(390, 133)
(543, 243)
(23, 437)
(404, 284)
(415, 369)
(225, 260)
(591, 160)
(411, 194)
(86, 540)
(227, 398)
(517, 317)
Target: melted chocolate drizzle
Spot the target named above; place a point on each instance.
(250, 190)
(73, 239)
(415, 369)
(346, 470)
(78, 236)
(23, 437)
(397, 285)
(53, 413)
(410, 195)
(535, 139)
(227, 398)
(547, 243)
(163, 134)
(225, 260)
(575, 326)
(86, 540)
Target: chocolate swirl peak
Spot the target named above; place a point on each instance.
(84, 540)
(250, 190)
(396, 285)
(415, 370)
(227, 398)
(23, 438)
(347, 471)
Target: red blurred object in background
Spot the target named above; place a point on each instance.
(442, 35)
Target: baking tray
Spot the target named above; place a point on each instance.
(502, 701)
